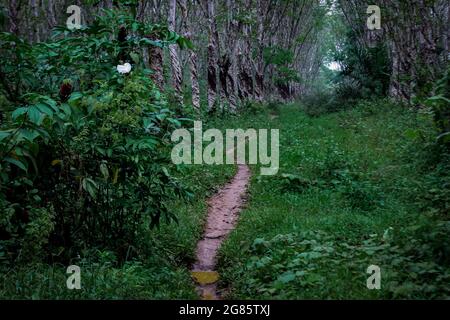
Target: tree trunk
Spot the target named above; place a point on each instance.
(244, 58)
(177, 75)
(212, 55)
(155, 55)
(192, 58)
(13, 13)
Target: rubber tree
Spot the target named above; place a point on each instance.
(192, 56)
(177, 73)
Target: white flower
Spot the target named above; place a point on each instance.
(124, 68)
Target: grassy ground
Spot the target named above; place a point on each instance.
(345, 198)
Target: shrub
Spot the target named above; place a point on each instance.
(287, 266)
(84, 160)
(338, 173)
(318, 103)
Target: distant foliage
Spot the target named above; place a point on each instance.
(364, 75)
(365, 71)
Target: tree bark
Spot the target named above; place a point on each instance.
(177, 74)
(13, 13)
(212, 55)
(155, 55)
(244, 58)
(192, 57)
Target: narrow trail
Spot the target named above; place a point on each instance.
(223, 213)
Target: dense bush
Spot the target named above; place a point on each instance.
(289, 266)
(320, 102)
(83, 148)
(365, 70)
(364, 75)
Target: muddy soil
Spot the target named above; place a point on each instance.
(223, 213)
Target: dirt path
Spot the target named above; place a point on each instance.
(223, 213)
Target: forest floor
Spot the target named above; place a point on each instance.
(223, 213)
(344, 199)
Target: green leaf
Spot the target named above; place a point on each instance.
(35, 115)
(33, 161)
(27, 134)
(173, 36)
(51, 103)
(286, 277)
(18, 112)
(135, 57)
(444, 136)
(151, 42)
(4, 134)
(439, 97)
(18, 151)
(104, 171)
(66, 108)
(44, 109)
(16, 163)
(75, 96)
(90, 186)
(185, 43)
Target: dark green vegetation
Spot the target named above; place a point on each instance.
(86, 176)
(347, 196)
(160, 272)
(85, 168)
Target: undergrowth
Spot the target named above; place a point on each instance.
(355, 189)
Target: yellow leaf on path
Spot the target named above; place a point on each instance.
(205, 277)
(55, 162)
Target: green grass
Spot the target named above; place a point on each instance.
(368, 196)
(162, 274)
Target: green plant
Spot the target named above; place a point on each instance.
(288, 266)
(365, 70)
(439, 104)
(91, 142)
(336, 172)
